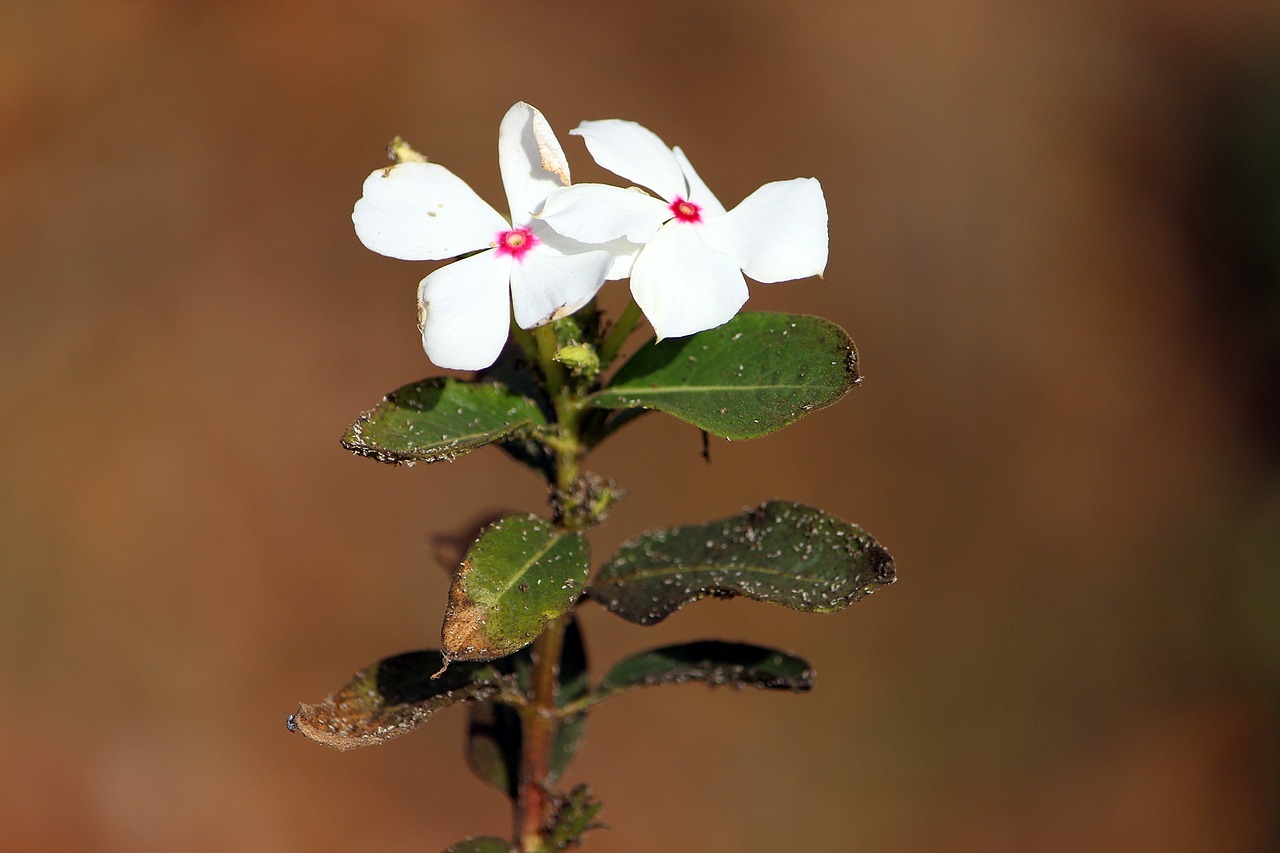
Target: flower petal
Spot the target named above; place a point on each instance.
(531, 160)
(624, 257)
(598, 213)
(546, 285)
(777, 233)
(635, 153)
(464, 311)
(683, 285)
(423, 212)
(621, 250)
(698, 191)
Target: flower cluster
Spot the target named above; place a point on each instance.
(685, 254)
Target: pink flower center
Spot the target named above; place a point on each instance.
(685, 211)
(517, 242)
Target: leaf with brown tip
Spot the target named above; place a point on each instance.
(392, 697)
(518, 575)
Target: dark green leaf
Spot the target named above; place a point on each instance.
(519, 575)
(573, 664)
(573, 684)
(392, 697)
(438, 419)
(781, 552)
(532, 454)
(512, 370)
(495, 736)
(493, 745)
(567, 740)
(713, 662)
(495, 739)
(754, 375)
(486, 844)
(619, 418)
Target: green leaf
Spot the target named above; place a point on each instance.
(493, 745)
(573, 685)
(494, 736)
(518, 576)
(710, 661)
(750, 377)
(533, 454)
(573, 665)
(781, 552)
(394, 696)
(440, 418)
(567, 740)
(512, 370)
(485, 844)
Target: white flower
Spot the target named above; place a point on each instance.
(421, 211)
(688, 277)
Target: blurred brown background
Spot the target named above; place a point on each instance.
(1055, 237)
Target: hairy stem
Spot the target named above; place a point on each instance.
(539, 720)
(539, 717)
(568, 405)
(569, 447)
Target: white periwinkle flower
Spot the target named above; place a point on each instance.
(688, 276)
(418, 211)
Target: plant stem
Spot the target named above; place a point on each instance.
(618, 335)
(524, 338)
(539, 718)
(552, 371)
(539, 722)
(568, 406)
(569, 447)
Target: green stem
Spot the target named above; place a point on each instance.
(524, 338)
(552, 370)
(577, 706)
(618, 335)
(569, 445)
(568, 406)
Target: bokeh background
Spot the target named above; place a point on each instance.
(1055, 237)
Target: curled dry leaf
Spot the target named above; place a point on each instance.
(392, 697)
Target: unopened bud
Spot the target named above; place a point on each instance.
(580, 358)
